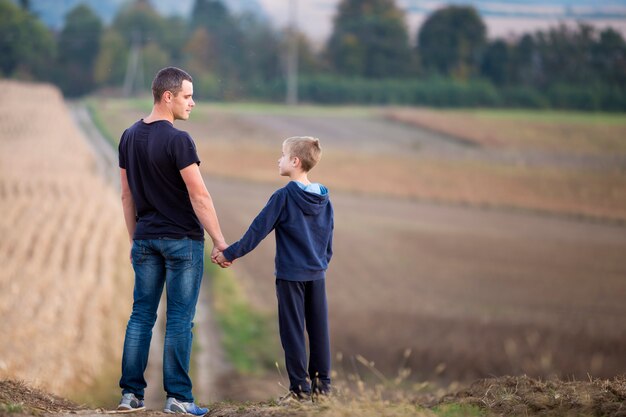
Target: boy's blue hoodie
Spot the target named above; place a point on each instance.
(304, 230)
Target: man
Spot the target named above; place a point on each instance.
(166, 208)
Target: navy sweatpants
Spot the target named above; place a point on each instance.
(300, 304)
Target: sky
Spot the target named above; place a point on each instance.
(503, 18)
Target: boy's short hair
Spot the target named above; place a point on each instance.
(306, 148)
(169, 79)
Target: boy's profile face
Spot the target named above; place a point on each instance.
(286, 164)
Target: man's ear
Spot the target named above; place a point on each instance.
(167, 96)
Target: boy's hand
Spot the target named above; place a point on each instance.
(219, 259)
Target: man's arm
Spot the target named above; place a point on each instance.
(202, 204)
(128, 205)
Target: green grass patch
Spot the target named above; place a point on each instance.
(145, 106)
(547, 116)
(103, 391)
(98, 121)
(11, 408)
(459, 410)
(249, 337)
(284, 110)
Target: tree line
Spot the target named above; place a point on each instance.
(369, 57)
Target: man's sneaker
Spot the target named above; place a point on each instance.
(130, 403)
(294, 397)
(173, 406)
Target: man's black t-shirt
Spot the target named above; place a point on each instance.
(153, 155)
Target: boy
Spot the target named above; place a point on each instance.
(302, 215)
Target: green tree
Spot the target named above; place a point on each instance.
(26, 46)
(369, 39)
(451, 41)
(609, 58)
(525, 67)
(139, 21)
(226, 40)
(79, 44)
(175, 36)
(262, 50)
(144, 31)
(496, 62)
(565, 55)
(111, 62)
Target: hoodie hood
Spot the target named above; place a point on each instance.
(309, 203)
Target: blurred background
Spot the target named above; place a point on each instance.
(475, 152)
(560, 54)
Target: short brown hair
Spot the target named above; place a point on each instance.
(168, 79)
(306, 148)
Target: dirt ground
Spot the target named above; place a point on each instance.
(506, 396)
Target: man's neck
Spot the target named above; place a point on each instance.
(159, 113)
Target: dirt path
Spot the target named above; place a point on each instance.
(105, 155)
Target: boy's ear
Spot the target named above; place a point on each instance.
(296, 161)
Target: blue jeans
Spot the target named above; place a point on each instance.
(178, 264)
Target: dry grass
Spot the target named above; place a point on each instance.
(505, 396)
(567, 132)
(520, 396)
(62, 250)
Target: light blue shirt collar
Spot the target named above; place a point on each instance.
(314, 187)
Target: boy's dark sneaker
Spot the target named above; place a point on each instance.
(319, 391)
(130, 403)
(295, 398)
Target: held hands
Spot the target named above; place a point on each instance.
(221, 260)
(217, 256)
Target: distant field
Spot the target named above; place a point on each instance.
(365, 151)
(573, 132)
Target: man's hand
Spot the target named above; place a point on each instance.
(217, 257)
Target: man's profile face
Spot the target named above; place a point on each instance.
(182, 103)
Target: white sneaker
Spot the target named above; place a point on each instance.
(130, 403)
(173, 406)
